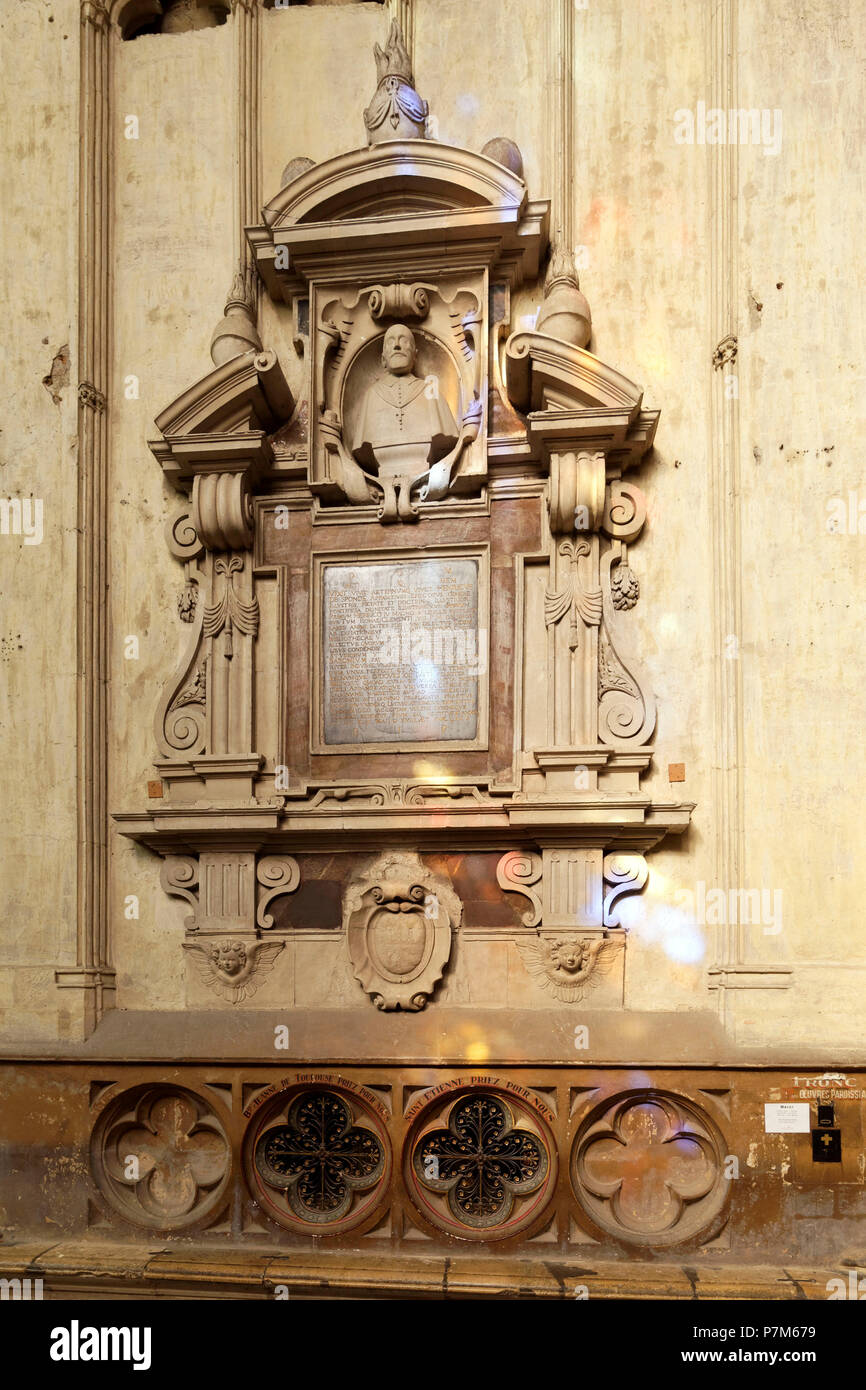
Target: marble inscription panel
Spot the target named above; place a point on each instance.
(402, 652)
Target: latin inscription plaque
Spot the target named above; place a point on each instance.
(403, 654)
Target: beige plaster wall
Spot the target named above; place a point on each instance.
(801, 257)
(640, 214)
(174, 239)
(38, 304)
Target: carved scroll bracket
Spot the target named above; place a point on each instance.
(398, 301)
(625, 873)
(624, 511)
(179, 878)
(185, 544)
(576, 497)
(221, 889)
(626, 713)
(277, 874)
(516, 872)
(222, 510)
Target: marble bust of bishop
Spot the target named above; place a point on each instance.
(404, 426)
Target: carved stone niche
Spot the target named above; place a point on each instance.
(399, 918)
(395, 247)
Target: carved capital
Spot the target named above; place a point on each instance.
(576, 496)
(222, 511)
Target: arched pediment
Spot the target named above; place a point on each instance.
(409, 176)
(411, 205)
(545, 373)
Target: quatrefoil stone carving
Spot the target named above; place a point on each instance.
(162, 1158)
(649, 1170)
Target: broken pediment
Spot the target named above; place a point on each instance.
(226, 416)
(570, 395)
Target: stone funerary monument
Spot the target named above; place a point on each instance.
(376, 946)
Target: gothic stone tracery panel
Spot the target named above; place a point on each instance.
(318, 1158)
(481, 1164)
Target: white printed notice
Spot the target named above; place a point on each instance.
(791, 1118)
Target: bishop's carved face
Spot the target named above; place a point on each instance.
(398, 350)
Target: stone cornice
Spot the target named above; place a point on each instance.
(634, 823)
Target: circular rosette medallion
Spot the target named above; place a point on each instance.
(481, 1165)
(320, 1161)
(648, 1169)
(161, 1158)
